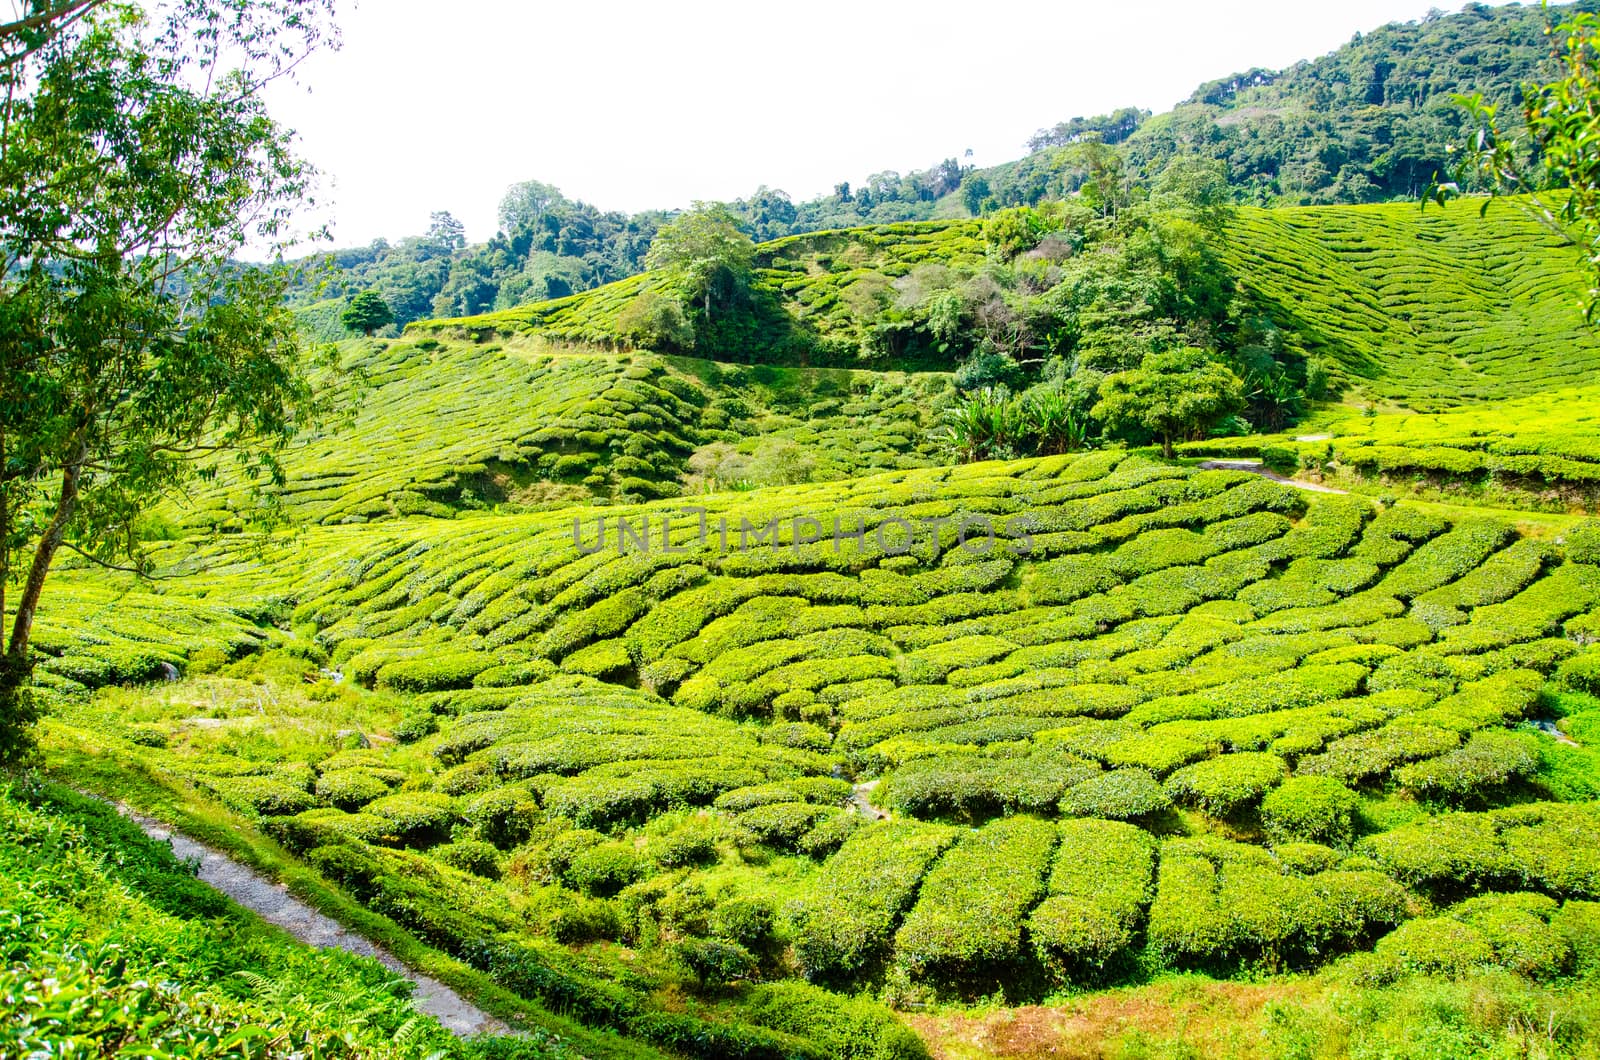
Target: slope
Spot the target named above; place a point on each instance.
(1136, 642)
(1425, 309)
(437, 426)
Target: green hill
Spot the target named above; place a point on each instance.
(1425, 309)
(440, 426)
(547, 404)
(626, 775)
(1422, 309)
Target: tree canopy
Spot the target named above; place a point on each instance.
(1554, 167)
(366, 313)
(132, 345)
(1173, 395)
(705, 251)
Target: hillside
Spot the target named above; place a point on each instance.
(1368, 122)
(1142, 601)
(1409, 310)
(1424, 309)
(626, 777)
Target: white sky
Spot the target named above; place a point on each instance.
(632, 105)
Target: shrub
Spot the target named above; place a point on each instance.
(1435, 946)
(1457, 848)
(262, 795)
(1446, 558)
(417, 817)
(829, 834)
(823, 791)
(1306, 859)
(1283, 460)
(1517, 927)
(350, 789)
(693, 844)
(1582, 542)
(780, 824)
(845, 1028)
(604, 869)
(1373, 753)
(580, 919)
(1488, 761)
(434, 672)
(971, 786)
(747, 920)
(1579, 923)
(146, 736)
(716, 962)
(1160, 754)
(1309, 809)
(1581, 673)
(471, 855)
(1120, 795)
(1218, 903)
(416, 726)
(842, 926)
(513, 675)
(966, 928)
(1219, 786)
(504, 817)
(316, 828)
(1096, 897)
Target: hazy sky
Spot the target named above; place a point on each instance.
(629, 106)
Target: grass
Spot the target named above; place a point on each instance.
(113, 946)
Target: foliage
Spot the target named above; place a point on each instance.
(1176, 395)
(1310, 809)
(366, 313)
(134, 342)
(705, 254)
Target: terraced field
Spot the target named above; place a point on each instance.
(439, 427)
(1426, 309)
(1429, 310)
(683, 770)
(1538, 453)
(1124, 717)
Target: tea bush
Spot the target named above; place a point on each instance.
(967, 926)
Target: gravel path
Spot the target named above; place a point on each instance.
(274, 904)
(1255, 467)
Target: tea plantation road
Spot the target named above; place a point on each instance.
(274, 904)
(1255, 467)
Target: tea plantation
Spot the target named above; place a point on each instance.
(1426, 309)
(739, 777)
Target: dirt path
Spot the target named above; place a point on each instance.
(861, 799)
(1255, 467)
(274, 904)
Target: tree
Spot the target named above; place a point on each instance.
(366, 313)
(707, 251)
(525, 204)
(133, 348)
(654, 321)
(446, 235)
(1562, 119)
(1176, 394)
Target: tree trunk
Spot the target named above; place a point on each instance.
(1166, 446)
(43, 555)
